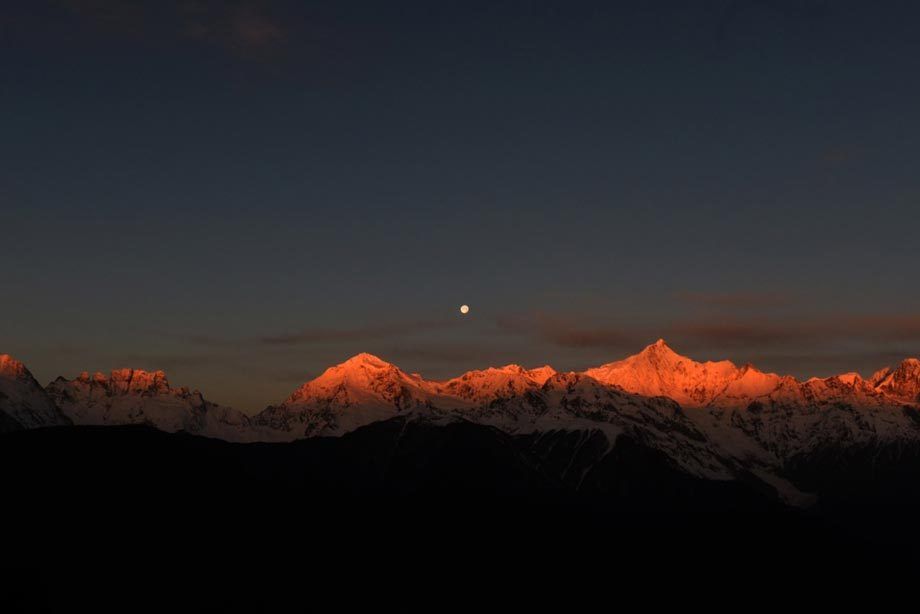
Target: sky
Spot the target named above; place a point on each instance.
(243, 193)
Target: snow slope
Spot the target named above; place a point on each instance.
(133, 396)
(23, 402)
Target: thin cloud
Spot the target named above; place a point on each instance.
(563, 332)
(361, 333)
(829, 363)
(739, 334)
(842, 155)
(735, 300)
(294, 376)
(245, 28)
(450, 354)
(769, 18)
(705, 333)
(751, 333)
(884, 327)
(167, 362)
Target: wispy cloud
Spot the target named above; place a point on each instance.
(244, 27)
(358, 333)
(735, 300)
(841, 155)
(167, 362)
(814, 331)
(564, 331)
(722, 332)
(739, 333)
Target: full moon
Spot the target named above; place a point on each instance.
(464, 308)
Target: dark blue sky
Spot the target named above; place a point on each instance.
(242, 193)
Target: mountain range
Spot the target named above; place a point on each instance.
(711, 420)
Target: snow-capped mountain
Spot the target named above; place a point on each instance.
(902, 382)
(366, 389)
(660, 371)
(24, 403)
(495, 383)
(359, 391)
(518, 401)
(711, 420)
(133, 396)
(748, 412)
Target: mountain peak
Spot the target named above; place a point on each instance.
(660, 371)
(365, 359)
(541, 374)
(23, 402)
(11, 367)
(660, 347)
(124, 381)
(851, 378)
(902, 381)
(361, 371)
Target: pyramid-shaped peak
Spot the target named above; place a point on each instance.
(660, 348)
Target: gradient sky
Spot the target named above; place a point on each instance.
(242, 193)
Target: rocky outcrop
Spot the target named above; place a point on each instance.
(902, 382)
(134, 396)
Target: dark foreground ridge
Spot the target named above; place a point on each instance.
(406, 497)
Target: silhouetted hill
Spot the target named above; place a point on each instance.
(420, 508)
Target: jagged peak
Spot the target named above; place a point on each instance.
(850, 378)
(540, 374)
(879, 376)
(509, 368)
(124, 380)
(516, 368)
(569, 380)
(138, 373)
(562, 379)
(908, 365)
(11, 366)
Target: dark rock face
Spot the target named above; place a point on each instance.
(453, 502)
(878, 475)
(394, 457)
(23, 402)
(7, 423)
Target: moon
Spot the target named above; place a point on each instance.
(464, 309)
